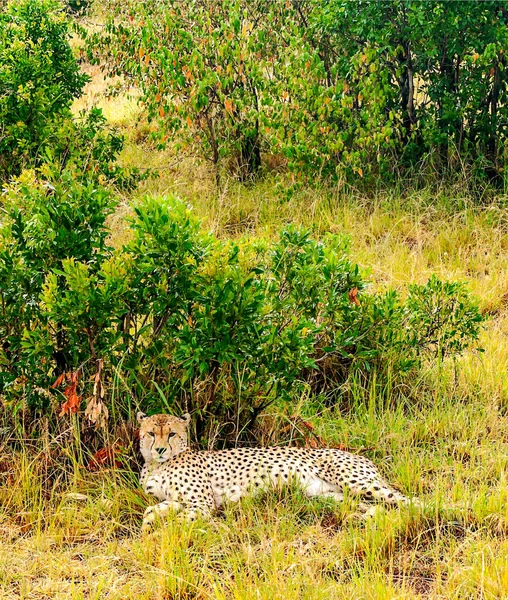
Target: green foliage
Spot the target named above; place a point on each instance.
(39, 78)
(45, 228)
(89, 148)
(444, 65)
(338, 88)
(441, 317)
(206, 82)
(78, 6)
(220, 328)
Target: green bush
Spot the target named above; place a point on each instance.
(178, 319)
(203, 82)
(86, 146)
(439, 318)
(439, 69)
(340, 89)
(78, 6)
(45, 226)
(39, 79)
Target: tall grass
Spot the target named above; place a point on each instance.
(71, 533)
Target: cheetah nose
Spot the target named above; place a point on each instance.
(160, 451)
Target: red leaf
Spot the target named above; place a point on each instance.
(341, 447)
(106, 458)
(59, 380)
(71, 405)
(352, 295)
(228, 105)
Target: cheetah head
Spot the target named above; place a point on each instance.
(162, 436)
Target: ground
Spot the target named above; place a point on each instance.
(82, 540)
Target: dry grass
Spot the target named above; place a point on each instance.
(451, 449)
(55, 544)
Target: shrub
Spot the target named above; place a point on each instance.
(341, 89)
(78, 6)
(203, 82)
(443, 68)
(86, 146)
(440, 318)
(38, 81)
(45, 226)
(179, 319)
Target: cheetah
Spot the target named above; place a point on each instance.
(198, 482)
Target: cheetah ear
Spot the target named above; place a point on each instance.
(141, 416)
(186, 417)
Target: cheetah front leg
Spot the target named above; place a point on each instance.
(185, 512)
(158, 511)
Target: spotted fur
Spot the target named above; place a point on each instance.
(198, 482)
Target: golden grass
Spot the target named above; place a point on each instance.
(280, 545)
(122, 111)
(451, 448)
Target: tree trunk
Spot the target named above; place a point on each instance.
(407, 104)
(447, 72)
(250, 157)
(492, 145)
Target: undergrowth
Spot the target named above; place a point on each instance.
(68, 532)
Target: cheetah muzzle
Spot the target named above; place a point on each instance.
(198, 482)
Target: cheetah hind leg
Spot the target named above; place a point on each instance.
(381, 491)
(364, 510)
(384, 494)
(390, 496)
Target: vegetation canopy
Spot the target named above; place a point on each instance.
(222, 327)
(340, 89)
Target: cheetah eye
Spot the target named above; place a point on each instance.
(151, 434)
(170, 435)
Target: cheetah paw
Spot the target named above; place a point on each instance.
(372, 511)
(366, 513)
(148, 519)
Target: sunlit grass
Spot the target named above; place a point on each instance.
(78, 535)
